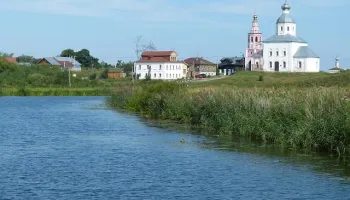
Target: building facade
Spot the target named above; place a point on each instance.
(284, 51)
(63, 62)
(198, 65)
(160, 65)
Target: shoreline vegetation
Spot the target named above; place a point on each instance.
(312, 114)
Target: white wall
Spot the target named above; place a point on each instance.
(290, 49)
(162, 71)
(282, 29)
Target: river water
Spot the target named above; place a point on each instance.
(76, 148)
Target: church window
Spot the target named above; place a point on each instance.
(281, 28)
(160, 75)
(256, 39)
(160, 67)
(139, 67)
(270, 64)
(288, 28)
(277, 53)
(284, 64)
(270, 53)
(251, 39)
(285, 53)
(257, 64)
(155, 75)
(300, 65)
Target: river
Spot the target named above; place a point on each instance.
(76, 148)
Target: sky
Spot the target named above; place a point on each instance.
(211, 29)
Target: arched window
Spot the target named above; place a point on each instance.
(284, 64)
(256, 39)
(251, 39)
(300, 64)
(270, 64)
(155, 75)
(288, 28)
(281, 28)
(160, 75)
(257, 64)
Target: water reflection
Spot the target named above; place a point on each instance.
(337, 167)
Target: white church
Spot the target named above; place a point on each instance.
(282, 52)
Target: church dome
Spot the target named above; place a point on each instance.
(285, 17)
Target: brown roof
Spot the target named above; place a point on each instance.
(157, 53)
(11, 60)
(198, 61)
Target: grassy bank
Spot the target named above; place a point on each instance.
(313, 118)
(55, 91)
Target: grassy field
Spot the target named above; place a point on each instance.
(299, 111)
(259, 79)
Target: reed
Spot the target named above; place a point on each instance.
(314, 118)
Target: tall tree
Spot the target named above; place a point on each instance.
(67, 53)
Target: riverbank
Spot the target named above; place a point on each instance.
(310, 118)
(55, 91)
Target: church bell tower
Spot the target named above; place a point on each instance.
(254, 38)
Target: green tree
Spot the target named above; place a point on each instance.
(2, 54)
(68, 53)
(26, 59)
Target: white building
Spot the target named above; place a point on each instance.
(160, 65)
(282, 52)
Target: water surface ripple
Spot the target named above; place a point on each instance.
(75, 148)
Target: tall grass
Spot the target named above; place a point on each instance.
(310, 118)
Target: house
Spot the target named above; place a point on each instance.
(11, 60)
(199, 65)
(229, 65)
(115, 73)
(282, 52)
(160, 65)
(63, 62)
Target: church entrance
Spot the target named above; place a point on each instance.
(277, 66)
(250, 66)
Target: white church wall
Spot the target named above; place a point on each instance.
(286, 28)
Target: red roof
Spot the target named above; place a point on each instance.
(157, 53)
(156, 60)
(11, 60)
(65, 63)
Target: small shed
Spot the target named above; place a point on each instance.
(115, 73)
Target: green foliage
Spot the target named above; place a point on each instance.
(92, 76)
(38, 80)
(261, 77)
(311, 118)
(104, 74)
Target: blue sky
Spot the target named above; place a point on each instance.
(208, 28)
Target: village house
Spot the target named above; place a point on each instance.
(229, 65)
(197, 65)
(160, 65)
(115, 73)
(282, 52)
(63, 62)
